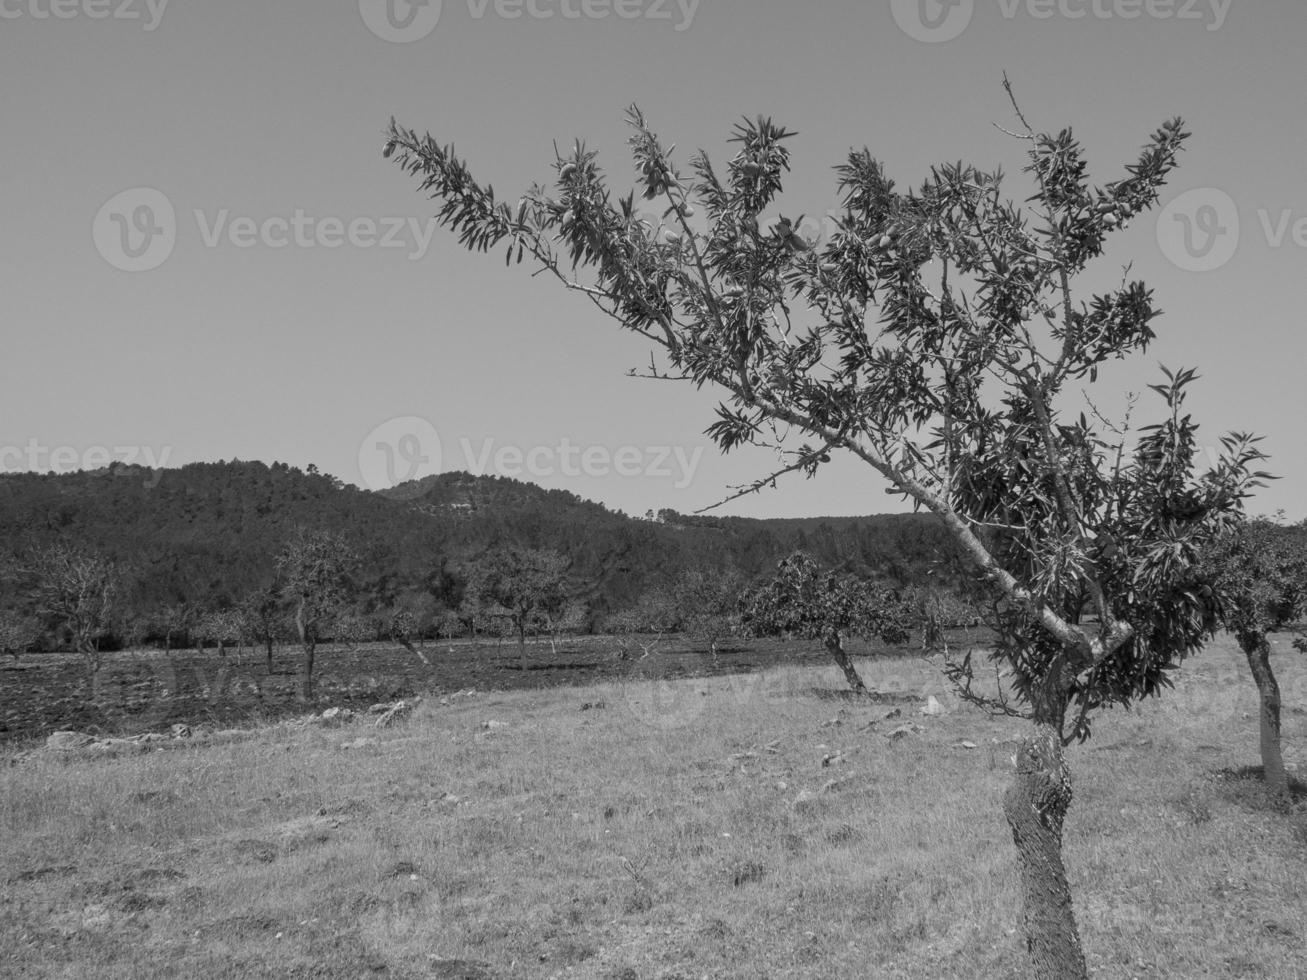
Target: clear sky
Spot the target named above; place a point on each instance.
(296, 314)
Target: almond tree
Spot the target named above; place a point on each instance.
(76, 589)
(644, 624)
(351, 629)
(177, 618)
(224, 627)
(401, 625)
(525, 583)
(938, 337)
(938, 610)
(262, 613)
(18, 633)
(560, 620)
(1260, 569)
(315, 567)
(803, 602)
(709, 604)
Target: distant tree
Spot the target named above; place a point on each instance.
(76, 589)
(18, 633)
(262, 611)
(224, 627)
(937, 610)
(480, 613)
(351, 629)
(709, 604)
(315, 567)
(803, 602)
(557, 621)
(527, 584)
(449, 625)
(402, 627)
(133, 628)
(176, 619)
(1259, 568)
(645, 623)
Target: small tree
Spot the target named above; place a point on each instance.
(561, 620)
(1260, 570)
(225, 627)
(18, 633)
(644, 624)
(938, 337)
(936, 611)
(352, 629)
(315, 567)
(803, 602)
(262, 612)
(709, 604)
(525, 584)
(176, 619)
(401, 625)
(76, 589)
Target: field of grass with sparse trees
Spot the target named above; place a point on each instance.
(746, 826)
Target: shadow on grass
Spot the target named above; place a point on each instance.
(854, 697)
(1246, 787)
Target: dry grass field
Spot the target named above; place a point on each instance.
(729, 827)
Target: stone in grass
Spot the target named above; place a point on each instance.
(68, 741)
(493, 726)
(114, 746)
(180, 731)
(396, 712)
(964, 744)
(335, 716)
(932, 707)
(808, 796)
(902, 732)
(359, 743)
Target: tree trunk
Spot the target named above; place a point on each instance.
(836, 647)
(93, 658)
(1035, 806)
(306, 671)
(309, 644)
(1258, 652)
(521, 645)
(267, 642)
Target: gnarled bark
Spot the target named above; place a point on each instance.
(1258, 652)
(1036, 805)
(841, 656)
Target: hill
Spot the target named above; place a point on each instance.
(208, 533)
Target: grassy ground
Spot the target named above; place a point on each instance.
(727, 827)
